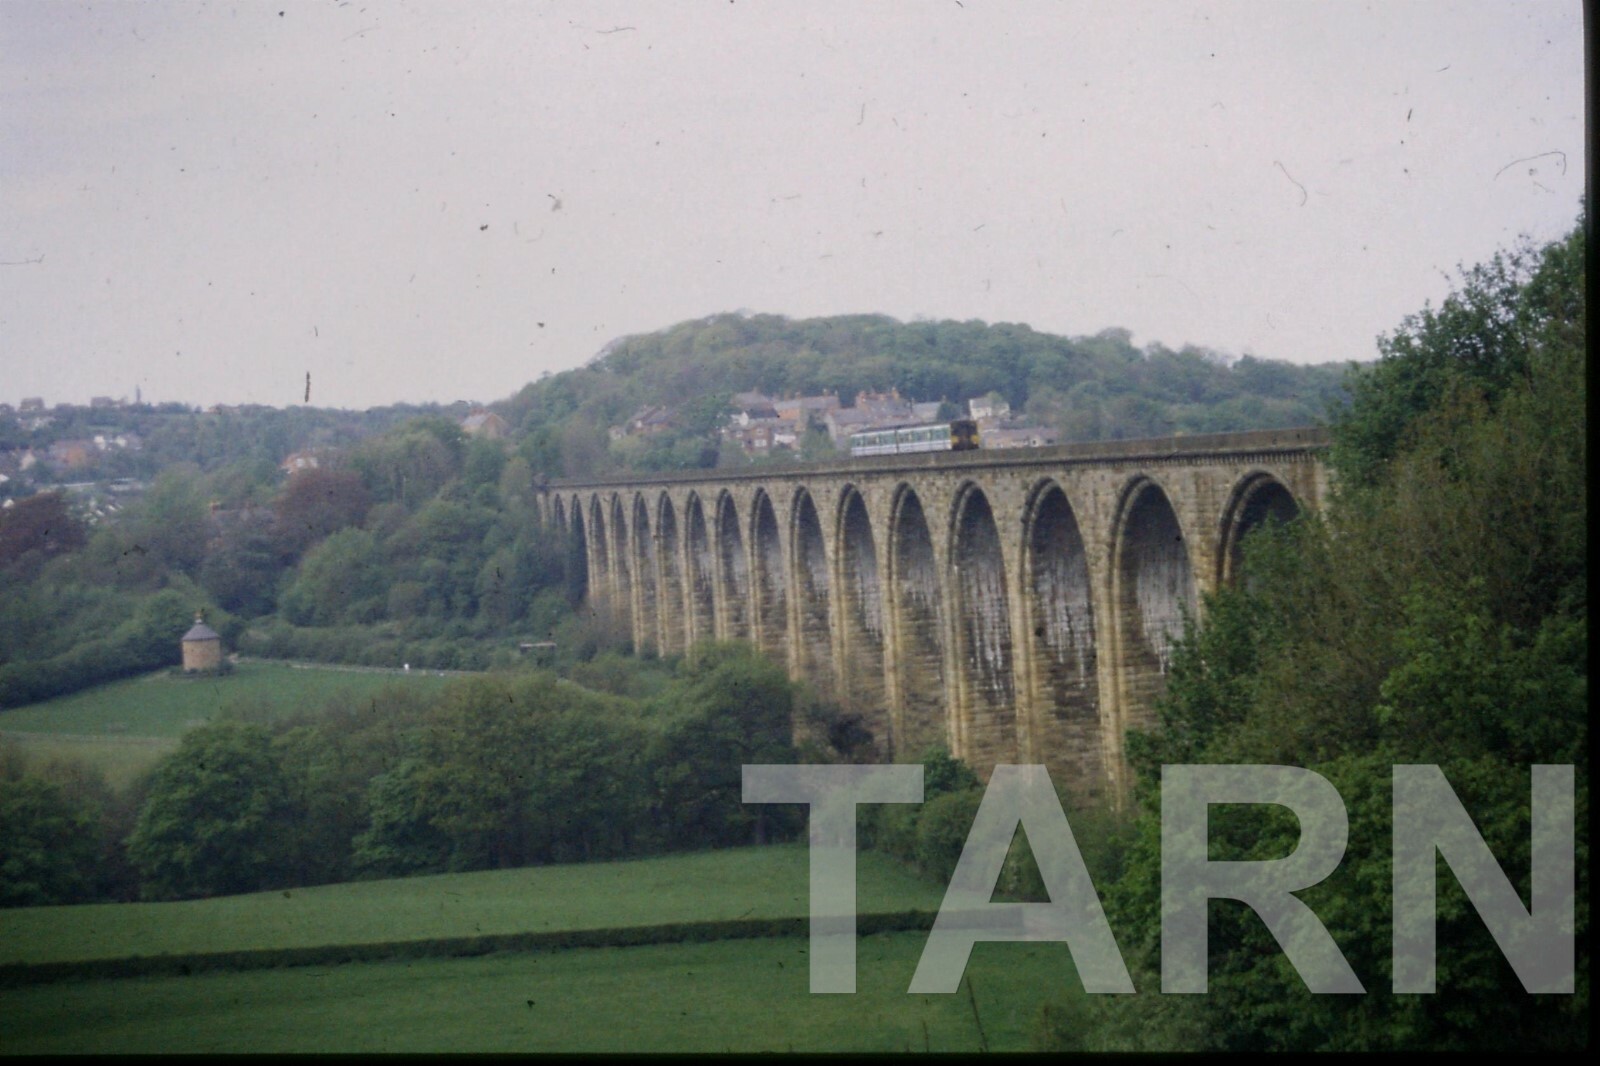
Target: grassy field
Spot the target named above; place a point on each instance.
(706, 886)
(164, 704)
(123, 728)
(740, 995)
(745, 996)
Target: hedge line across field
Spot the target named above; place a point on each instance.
(23, 973)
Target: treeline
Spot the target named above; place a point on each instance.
(411, 542)
(416, 545)
(502, 771)
(1436, 613)
(1089, 388)
(169, 434)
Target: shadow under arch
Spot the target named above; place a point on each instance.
(916, 600)
(769, 583)
(701, 607)
(985, 681)
(644, 577)
(733, 571)
(670, 612)
(1153, 591)
(622, 568)
(861, 615)
(1258, 499)
(1065, 727)
(812, 595)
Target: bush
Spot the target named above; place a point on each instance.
(942, 831)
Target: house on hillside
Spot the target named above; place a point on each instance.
(754, 413)
(990, 408)
(297, 461)
(871, 409)
(485, 424)
(71, 454)
(108, 442)
(801, 411)
(885, 406)
(1019, 437)
(647, 421)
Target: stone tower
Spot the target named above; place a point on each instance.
(202, 647)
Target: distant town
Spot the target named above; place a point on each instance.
(98, 455)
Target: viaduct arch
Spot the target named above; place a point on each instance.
(1017, 606)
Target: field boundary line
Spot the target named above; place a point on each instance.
(117, 738)
(34, 973)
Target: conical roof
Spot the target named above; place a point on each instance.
(201, 631)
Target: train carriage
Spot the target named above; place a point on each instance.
(956, 435)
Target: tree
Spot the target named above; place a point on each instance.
(1481, 338)
(49, 843)
(731, 706)
(1435, 613)
(241, 571)
(42, 523)
(216, 818)
(340, 580)
(170, 524)
(506, 772)
(315, 503)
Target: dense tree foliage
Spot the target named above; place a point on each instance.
(36, 528)
(498, 771)
(1089, 388)
(504, 773)
(48, 845)
(400, 539)
(732, 707)
(1435, 614)
(217, 819)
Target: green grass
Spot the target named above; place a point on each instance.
(164, 704)
(121, 759)
(706, 886)
(745, 996)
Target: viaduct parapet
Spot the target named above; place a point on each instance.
(1015, 606)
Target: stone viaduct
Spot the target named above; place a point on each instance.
(1016, 606)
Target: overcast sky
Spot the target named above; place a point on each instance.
(431, 202)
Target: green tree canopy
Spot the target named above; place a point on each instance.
(217, 817)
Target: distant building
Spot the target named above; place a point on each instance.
(885, 406)
(842, 422)
(762, 438)
(801, 411)
(103, 402)
(1019, 437)
(299, 461)
(31, 405)
(485, 424)
(871, 409)
(72, 453)
(989, 408)
(202, 647)
(107, 442)
(647, 421)
(753, 413)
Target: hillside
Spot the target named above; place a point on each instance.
(1085, 388)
